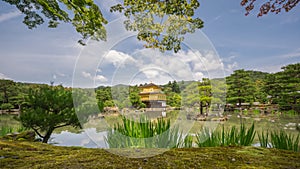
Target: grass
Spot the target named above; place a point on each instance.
(242, 137)
(39, 155)
(264, 139)
(158, 134)
(144, 133)
(279, 140)
(8, 129)
(256, 111)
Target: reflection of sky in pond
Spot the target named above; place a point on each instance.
(89, 138)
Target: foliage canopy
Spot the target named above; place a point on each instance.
(48, 108)
(161, 24)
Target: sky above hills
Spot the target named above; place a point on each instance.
(229, 41)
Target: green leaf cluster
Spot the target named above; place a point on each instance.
(48, 108)
(86, 16)
(161, 24)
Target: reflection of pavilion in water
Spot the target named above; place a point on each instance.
(153, 97)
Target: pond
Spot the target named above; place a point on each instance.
(93, 134)
(89, 138)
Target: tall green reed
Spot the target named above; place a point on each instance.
(242, 137)
(285, 141)
(264, 139)
(4, 130)
(279, 140)
(144, 133)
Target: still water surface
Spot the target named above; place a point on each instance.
(93, 136)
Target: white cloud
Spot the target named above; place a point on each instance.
(61, 74)
(199, 75)
(269, 68)
(209, 62)
(230, 67)
(231, 57)
(100, 78)
(151, 73)
(86, 75)
(118, 59)
(170, 64)
(2, 76)
(152, 65)
(9, 15)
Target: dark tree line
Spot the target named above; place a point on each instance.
(280, 88)
(45, 108)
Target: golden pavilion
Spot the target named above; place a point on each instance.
(153, 96)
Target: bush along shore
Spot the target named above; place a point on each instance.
(130, 133)
(216, 149)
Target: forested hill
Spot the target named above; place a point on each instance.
(242, 86)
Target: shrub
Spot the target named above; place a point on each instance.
(4, 130)
(243, 137)
(256, 111)
(284, 141)
(144, 133)
(7, 106)
(280, 140)
(264, 139)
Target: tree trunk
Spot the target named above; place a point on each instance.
(201, 108)
(48, 134)
(240, 102)
(207, 105)
(5, 96)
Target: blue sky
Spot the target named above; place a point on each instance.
(240, 42)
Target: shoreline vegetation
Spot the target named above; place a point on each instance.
(129, 133)
(248, 92)
(38, 155)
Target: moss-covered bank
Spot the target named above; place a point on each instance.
(15, 154)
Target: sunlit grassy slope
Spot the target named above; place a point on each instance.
(38, 155)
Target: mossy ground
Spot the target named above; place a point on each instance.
(14, 154)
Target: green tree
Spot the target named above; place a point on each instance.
(6, 106)
(109, 103)
(161, 24)
(190, 95)
(174, 99)
(290, 80)
(218, 92)
(259, 93)
(167, 88)
(120, 95)
(240, 87)
(21, 91)
(7, 90)
(48, 108)
(103, 94)
(135, 98)
(283, 87)
(198, 94)
(205, 94)
(175, 87)
(272, 88)
(85, 103)
(258, 79)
